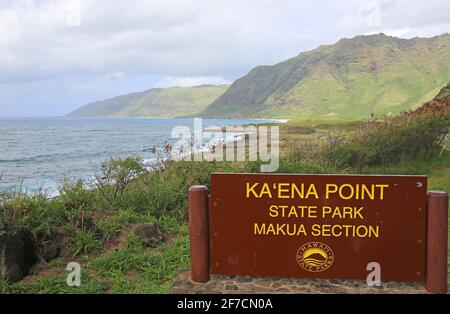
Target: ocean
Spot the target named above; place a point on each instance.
(40, 153)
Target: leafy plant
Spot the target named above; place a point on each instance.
(384, 142)
(115, 176)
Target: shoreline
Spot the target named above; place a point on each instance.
(51, 187)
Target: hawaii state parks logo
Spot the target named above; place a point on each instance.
(315, 257)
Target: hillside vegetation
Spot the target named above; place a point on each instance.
(352, 78)
(158, 102)
(94, 227)
(380, 142)
(102, 241)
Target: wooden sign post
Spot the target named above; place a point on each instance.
(199, 233)
(437, 242)
(319, 226)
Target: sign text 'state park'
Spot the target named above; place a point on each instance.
(318, 226)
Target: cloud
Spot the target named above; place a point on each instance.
(188, 81)
(181, 41)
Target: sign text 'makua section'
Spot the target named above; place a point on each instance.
(320, 226)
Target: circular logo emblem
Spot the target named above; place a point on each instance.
(315, 257)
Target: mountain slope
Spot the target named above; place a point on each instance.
(157, 102)
(354, 77)
(444, 93)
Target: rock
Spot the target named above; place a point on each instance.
(282, 290)
(231, 287)
(222, 284)
(89, 225)
(443, 93)
(50, 250)
(17, 254)
(244, 279)
(149, 234)
(276, 285)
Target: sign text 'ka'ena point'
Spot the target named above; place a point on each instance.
(319, 226)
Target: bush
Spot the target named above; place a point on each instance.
(75, 196)
(115, 176)
(85, 241)
(389, 142)
(167, 189)
(308, 151)
(35, 212)
(48, 218)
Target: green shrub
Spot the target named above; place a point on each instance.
(389, 142)
(308, 151)
(75, 196)
(115, 176)
(167, 189)
(84, 242)
(34, 212)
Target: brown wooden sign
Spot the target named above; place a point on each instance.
(318, 226)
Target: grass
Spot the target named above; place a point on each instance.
(436, 168)
(95, 225)
(151, 270)
(131, 268)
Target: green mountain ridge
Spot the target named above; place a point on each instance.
(352, 78)
(157, 102)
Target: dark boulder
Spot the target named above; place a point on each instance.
(17, 254)
(149, 234)
(90, 226)
(50, 250)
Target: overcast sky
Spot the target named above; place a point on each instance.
(56, 55)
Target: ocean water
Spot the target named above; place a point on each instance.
(40, 153)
